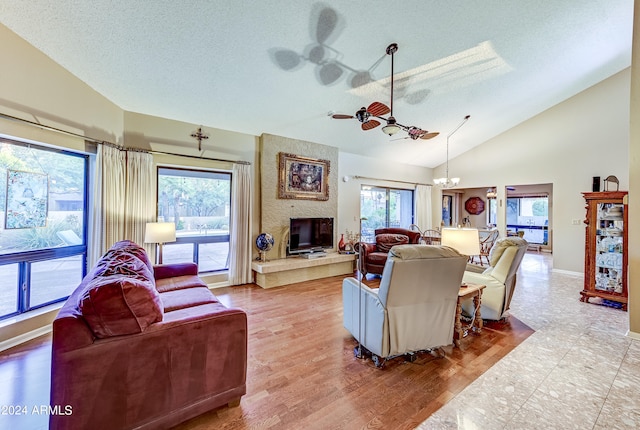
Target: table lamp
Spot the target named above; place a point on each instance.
(160, 233)
(464, 240)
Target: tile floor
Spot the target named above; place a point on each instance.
(577, 371)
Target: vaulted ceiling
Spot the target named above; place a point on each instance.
(284, 66)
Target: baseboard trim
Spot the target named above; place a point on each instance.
(214, 285)
(633, 335)
(25, 337)
(567, 272)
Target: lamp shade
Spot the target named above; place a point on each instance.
(160, 232)
(464, 240)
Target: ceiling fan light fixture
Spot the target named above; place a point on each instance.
(391, 128)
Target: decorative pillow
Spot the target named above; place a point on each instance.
(119, 304)
(385, 241)
(128, 247)
(121, 297)
(123, 264)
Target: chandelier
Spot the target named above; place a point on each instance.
(447, 182)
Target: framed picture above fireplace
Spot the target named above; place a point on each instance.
(302, 177)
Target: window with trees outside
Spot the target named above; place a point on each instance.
(199, 203)
(384, 207)
(43, 204)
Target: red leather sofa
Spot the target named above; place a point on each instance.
(145, 347)
(374, 255)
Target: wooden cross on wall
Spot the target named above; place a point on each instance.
(200, 136)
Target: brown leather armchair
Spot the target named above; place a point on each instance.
(374, 255)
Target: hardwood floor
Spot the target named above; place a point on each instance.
(301, 368)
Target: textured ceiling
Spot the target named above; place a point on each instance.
(281, 66)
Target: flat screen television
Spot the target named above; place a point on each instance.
(308, 235)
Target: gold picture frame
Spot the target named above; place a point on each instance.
(302, 177)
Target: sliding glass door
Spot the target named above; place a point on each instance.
(384, 207)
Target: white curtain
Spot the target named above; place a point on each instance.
(240, 228)
(123, 198)
(424, 219)
(140, 203)
(109, 201)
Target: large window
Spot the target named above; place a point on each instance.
(384, 207)
(529, 214)
(198, 202)
(43, 194)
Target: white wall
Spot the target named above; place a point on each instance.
(349, 192)
(585, 136)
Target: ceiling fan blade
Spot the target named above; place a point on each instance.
(378, 109)
(372, 123)
(429, 135)
(341, 116)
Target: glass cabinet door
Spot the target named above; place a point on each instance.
(609, 271)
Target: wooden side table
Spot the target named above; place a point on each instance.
(470, 290)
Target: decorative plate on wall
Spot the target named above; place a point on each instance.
(474, 205)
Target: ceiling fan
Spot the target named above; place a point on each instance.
(369, 116)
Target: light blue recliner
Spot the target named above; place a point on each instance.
(414, 308)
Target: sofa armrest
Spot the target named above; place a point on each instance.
(366, 248)
(192, 361)
(365, 321)
(474, 268)
(162, 271)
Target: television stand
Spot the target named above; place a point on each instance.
(312, 255)
(285, 271)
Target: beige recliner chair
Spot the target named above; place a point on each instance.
(414, 308)
(500, 278)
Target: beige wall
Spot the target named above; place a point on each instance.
(34, 88)
(566, 145)
(275, 212)
(634, 183)
(480, 220)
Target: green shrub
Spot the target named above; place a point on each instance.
(46, 237)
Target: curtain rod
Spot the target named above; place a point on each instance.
(201, 158)
(50, 128)
(103, 142)
(390, 180)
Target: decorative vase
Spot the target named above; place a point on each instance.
(341, 243)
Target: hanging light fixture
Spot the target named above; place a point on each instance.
(450, 182)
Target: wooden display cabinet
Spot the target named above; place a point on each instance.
(605, 252)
